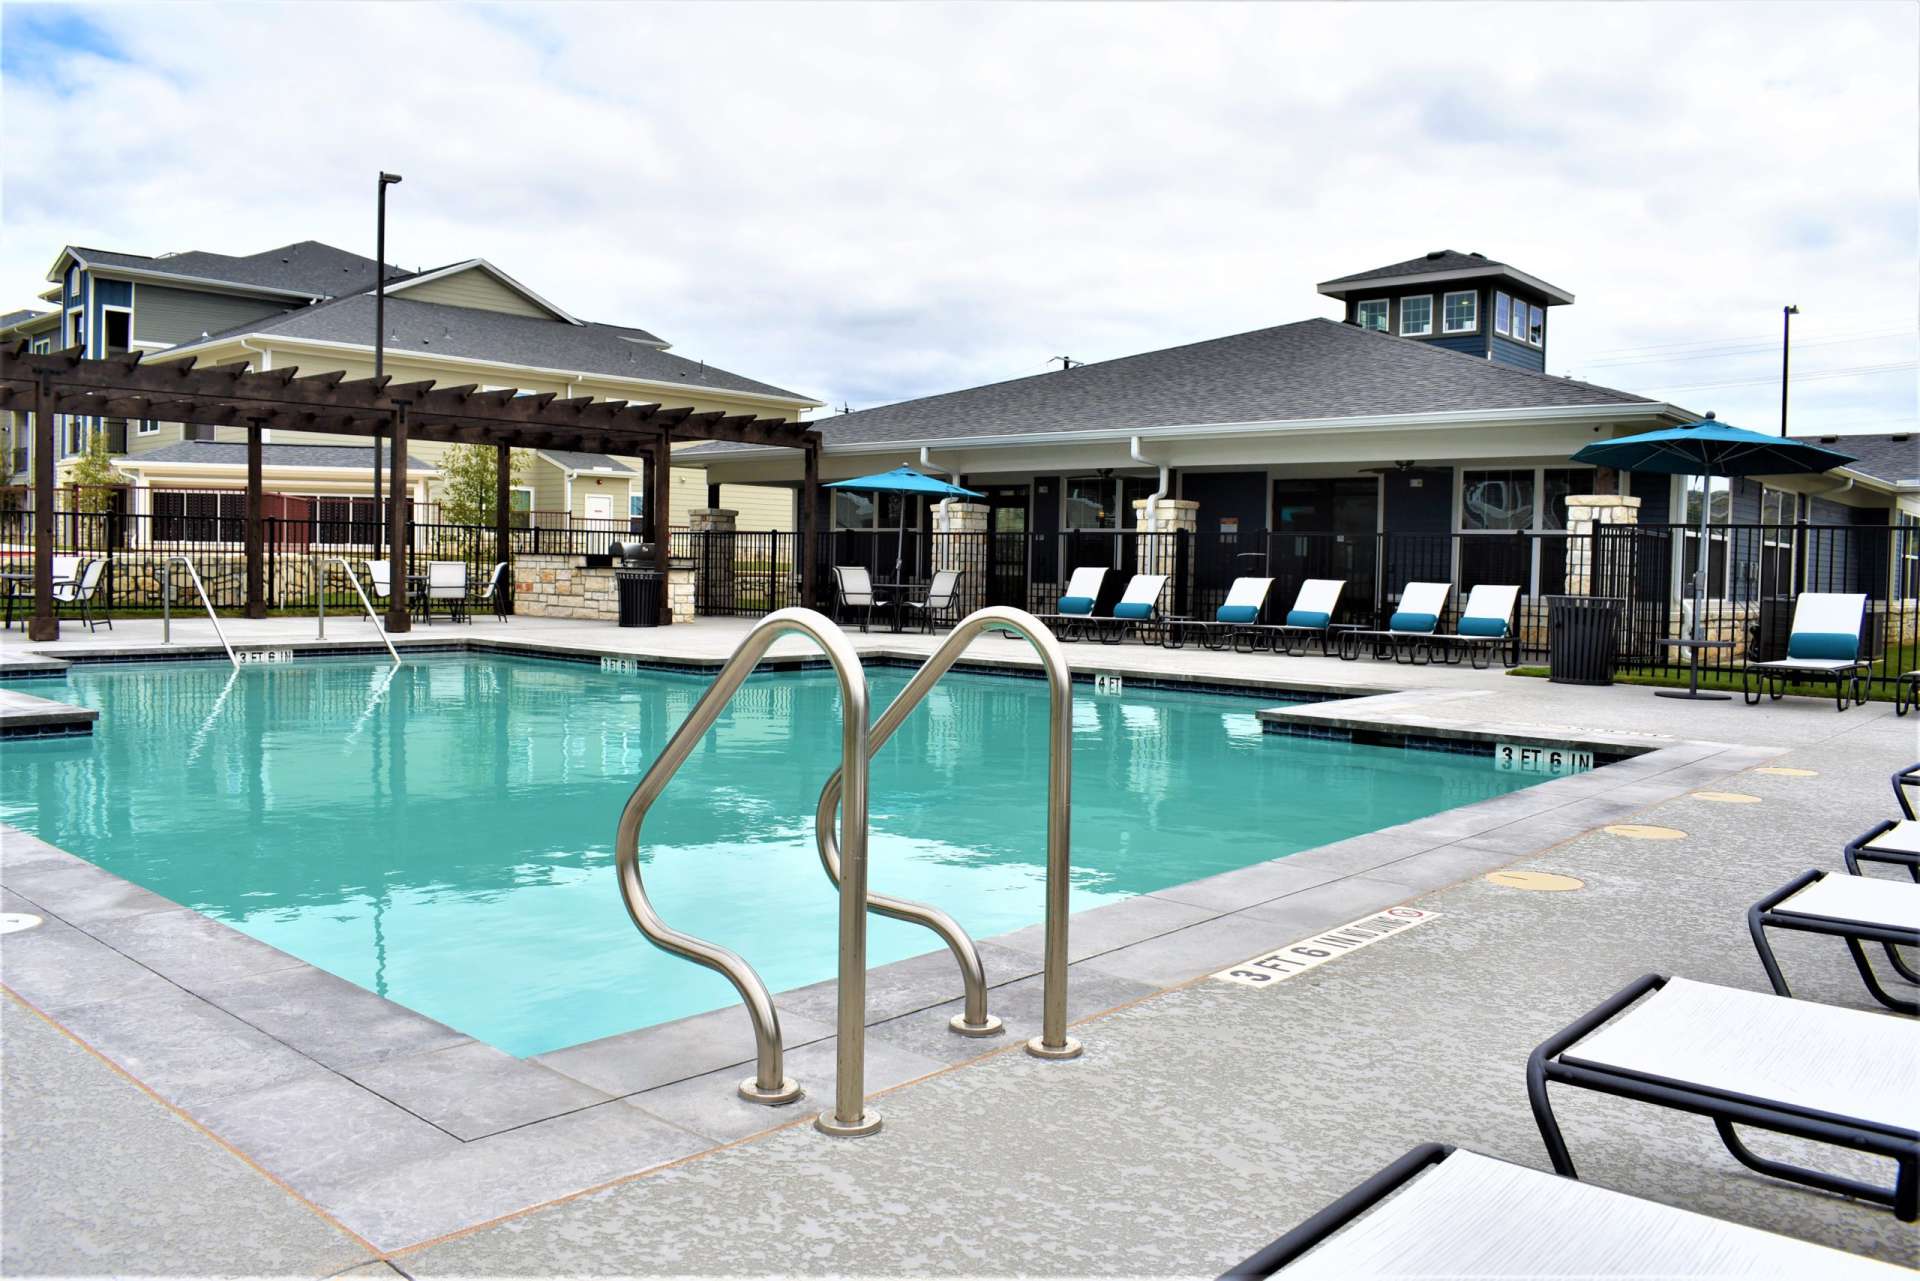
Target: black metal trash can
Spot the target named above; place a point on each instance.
(1583, 639)
(640, 591)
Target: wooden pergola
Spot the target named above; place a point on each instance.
(66, 382)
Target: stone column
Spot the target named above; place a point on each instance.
(1585, 512)
(960, 544)
(713, 558)
(1162, 521)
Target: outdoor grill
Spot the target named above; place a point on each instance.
(639, 584)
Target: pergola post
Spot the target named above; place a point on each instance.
(659, 507)
(399, 536)
(255, 543)
(45, 624)
(810, 525)
(502, 495)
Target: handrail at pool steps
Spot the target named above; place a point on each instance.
(166, 602)
(320, 594)
(1053, 1042)
(769, 1084)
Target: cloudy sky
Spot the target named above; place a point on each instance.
(873, 202)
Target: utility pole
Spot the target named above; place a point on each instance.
(380, 336)
(1787, 313)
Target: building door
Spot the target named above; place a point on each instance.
(1006, 560)
(600, 507)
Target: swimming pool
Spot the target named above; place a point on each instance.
(441, 833)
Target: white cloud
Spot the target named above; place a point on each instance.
(867, 202)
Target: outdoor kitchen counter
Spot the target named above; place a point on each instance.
(547, 586)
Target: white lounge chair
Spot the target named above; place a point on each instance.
(854, 588)
(495, 592)
(940, 594)
(1850, 1078)
(1246, 598)
(379, 578)
(1137, 607)
(447, 582)
(1824, 646)
(81, 589)
(1440, 1211)
(1310, 617)
(1895, 842)
(1077, 603)
(1485, 624)
(1852, 908)
(1409, 631)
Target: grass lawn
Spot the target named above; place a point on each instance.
(1879, 688)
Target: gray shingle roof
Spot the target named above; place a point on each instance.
(309, 267)
(574, 461)
(25, 314)
(1438, 260)
(359, 457)
(438, 329)
(1312, 369)
(1893, 457)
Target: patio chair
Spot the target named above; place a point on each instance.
(1848, 907)
(80, 589)
(1441, 1211)
(1485, 625)
(1849, 1078)
(447, 581)
(940, 597)
(1246, 598)
(379, 579)
(65, 570)
(1895, 842)
(1137, 608)
(1906, 691)
(1824, 646)
(853, 590)
(1311, 616)
(1077, 604)
(1409, 631)
(495, 592)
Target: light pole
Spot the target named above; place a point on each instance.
(1787, 313)
(380, 339)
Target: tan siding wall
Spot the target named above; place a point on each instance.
(169, 434)
(549, 485)
(474, 288)
(761, 507)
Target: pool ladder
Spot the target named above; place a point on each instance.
(166, 602)
(844, 856)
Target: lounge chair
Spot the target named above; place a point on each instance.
(1311, 615)
(1441, 1211)
(1075, 615)
(1409, 632)
(1906, 692)
(1824, 646)
(447, 583)
(1845, 1077)
(1485, 625)
(940, 596)
(1137, 608)
(1232, 620)
(854, 589)
(1896, 841)
(80, 590)
(495, 592)
(1849, 907)
(379, 579)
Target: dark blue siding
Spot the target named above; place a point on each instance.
(1236, 495)
(1470, 344)
(113, 293)
(1520, 356)
(1654, 493)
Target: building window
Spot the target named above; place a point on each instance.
(1502, 313)
(188, 516)
(1905, 561)
(339, 522)
(1091, 503)
(1460, 312)
(520, 507)
(77, 328)
(1496, 500)
(1558, 483)
(1536, 326)
(855, 510)
(1416, 316)
(1372, 314)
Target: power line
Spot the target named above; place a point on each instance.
(1753, 349)
(1909, 325)
(1816, 375)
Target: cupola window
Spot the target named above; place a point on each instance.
(1416, 316)
(1371, 314)
(1460, 312)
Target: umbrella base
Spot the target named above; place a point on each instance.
(1691, 693)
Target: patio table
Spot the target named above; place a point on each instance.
(1693, 689)
(13, 579)
(897, 601)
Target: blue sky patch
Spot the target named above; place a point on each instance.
(37, 40)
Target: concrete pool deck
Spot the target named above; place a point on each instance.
(1230, 1111)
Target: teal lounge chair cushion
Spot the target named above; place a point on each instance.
(1133, 609)
(1405, 622)
(1236, 613)
(1311, 619)
(1076, 604)
(1471, 626)
(1824, 645)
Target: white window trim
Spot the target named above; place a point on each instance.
(1530, 340)
(1471, 328)
(1386, 317)
(1409, 333)
(1493, 323)
(146, 427)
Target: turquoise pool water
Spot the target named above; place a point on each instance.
(442, 832)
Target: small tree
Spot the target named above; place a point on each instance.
(467, 482)
(93, 478)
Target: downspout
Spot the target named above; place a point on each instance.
(1133, 448)
(926, 460)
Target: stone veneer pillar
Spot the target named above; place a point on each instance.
(960, 544)
(1585, 512)
(713, 558)
(1162, 521)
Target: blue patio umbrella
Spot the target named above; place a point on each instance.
(1709, 448)
(903, 480)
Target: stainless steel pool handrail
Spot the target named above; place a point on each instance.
(769, 1084)
(166, 602)
(1053, 1041)
(320, 591)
